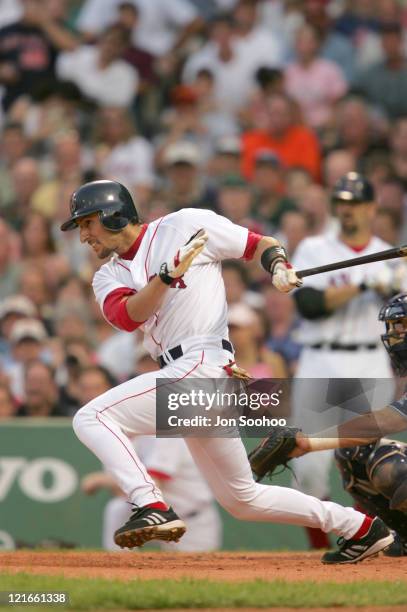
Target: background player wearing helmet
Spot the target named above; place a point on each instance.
(181, 306)
(339, 327)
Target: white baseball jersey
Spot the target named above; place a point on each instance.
(196, 306)
(357, 321)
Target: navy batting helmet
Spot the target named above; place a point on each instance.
(394, 315)
(110, 199)
(353, 188)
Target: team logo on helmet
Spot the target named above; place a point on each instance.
(72, 203)
(354, 188)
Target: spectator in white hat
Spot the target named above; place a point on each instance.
(184, 188)
(248, 334)
(28, 341)
(14, 308)
(226, 159)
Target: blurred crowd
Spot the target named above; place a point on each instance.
(251, 108)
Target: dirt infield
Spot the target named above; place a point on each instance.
(236, 567)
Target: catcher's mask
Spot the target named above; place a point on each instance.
(387, 471)
(394, 315)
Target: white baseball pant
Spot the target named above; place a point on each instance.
(105, 423)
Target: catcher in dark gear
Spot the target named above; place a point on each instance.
(376, 477)
(285, 443)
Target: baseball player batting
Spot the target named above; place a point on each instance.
(166, 278)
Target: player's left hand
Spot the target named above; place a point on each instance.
(186, 254)
(284, 277)
(388, 280)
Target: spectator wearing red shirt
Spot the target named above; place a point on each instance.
(294, 143)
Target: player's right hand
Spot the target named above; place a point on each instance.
(186, 254)
(284, 277)
(91, 483)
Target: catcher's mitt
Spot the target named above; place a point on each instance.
(273, 451)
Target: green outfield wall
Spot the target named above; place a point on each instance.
(41, 466)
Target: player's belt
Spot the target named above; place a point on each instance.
(177, 352)
(335, 346)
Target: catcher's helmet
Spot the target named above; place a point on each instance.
(394, 315)
(110, 199)
(353, 188)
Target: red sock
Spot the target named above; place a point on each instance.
(317, 538)
(157, 506)
(363, 529)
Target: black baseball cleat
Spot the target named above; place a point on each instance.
(147, 524)
(377, 538)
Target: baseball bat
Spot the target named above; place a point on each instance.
(394, 253)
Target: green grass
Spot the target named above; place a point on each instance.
(97, 594)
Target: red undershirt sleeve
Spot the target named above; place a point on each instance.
(159, 475)
(253, 240)
(115, 311)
